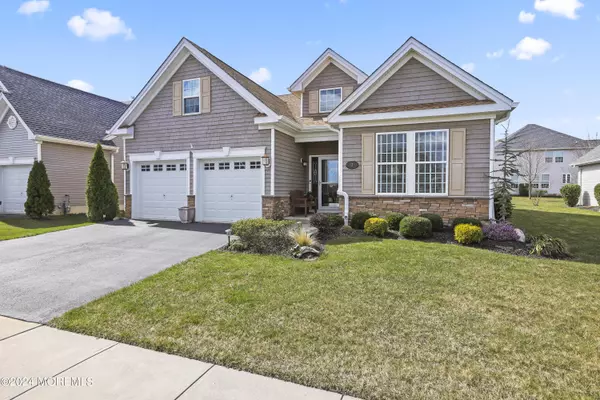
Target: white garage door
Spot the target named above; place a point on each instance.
(229, 190)
(160, 190)
(13, 188)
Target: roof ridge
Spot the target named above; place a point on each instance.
(59, 84)
(552, 130)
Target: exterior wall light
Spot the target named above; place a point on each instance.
(124, 166)
(266, 160)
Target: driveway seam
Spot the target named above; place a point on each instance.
(193, 383)
(18, 333)
(68, 368)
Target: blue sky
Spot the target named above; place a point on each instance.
(118, 45)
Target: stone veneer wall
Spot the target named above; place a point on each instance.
(127, 206)
(269, 202)
(447, 208)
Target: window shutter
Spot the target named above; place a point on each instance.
(347, 91)
(177, 95)
(313, 102)
(368, 163)
(205, 94)
(458, 158)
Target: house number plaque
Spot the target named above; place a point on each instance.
(352, 164)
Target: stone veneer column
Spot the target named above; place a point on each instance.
(127, 206)
(270, 202)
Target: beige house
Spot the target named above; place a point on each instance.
(417, 135)
(58, 125)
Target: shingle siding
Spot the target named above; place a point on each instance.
(229, 124)
(414, 83)
(330, 77)
(477, 151)
(289, 173)
(14, 143)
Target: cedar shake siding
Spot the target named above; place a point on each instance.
(414, 83)
(289, 173)
(15, 143)
(477, 153)
(331, 77)
(68, 168)
(230, 122)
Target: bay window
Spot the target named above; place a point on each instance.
(412, 162)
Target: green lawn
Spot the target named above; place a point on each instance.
(378, 320)
(579, 228)
(18, 227)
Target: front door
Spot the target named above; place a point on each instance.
(324, 174)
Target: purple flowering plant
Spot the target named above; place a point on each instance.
(502, 232)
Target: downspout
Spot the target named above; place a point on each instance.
(124, 174)
(492, 213)
(340, 191)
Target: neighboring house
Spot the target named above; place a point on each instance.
(415, 136)
(589, 176)
(54, 123)
(546, 155)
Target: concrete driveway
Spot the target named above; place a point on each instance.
(43, 276)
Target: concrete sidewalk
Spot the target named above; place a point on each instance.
(39, 362)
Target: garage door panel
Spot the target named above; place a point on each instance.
(13, 188)
(159, 192)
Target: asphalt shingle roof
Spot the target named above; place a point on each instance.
(592, 157)
(538, 137)
(56, 110)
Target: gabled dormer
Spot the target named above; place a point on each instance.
(328, 81)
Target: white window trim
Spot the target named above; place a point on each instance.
(183, 96)
(411, 164)
(566, 181)
(341, 98)
(541, 181)
(230, 152)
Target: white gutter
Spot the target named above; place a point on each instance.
(70, 142)
(492, 214)
(272, 161)
(340, 191)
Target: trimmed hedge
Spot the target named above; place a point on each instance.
(376, 227)
(469, 221)
(570, 194)
(264, 236)
(468, 234)
(416, 227)
(437, 223)
(394, 220)
(327, 223)
(523, 189)
(358, 219)
(597, 193)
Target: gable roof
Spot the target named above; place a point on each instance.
(51, 109)
(413, 48)
(593, 157)
(534, 136)
(327, 57)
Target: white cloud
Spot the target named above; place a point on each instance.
(98, 25)
(561, 8)
(469, 67)
(529, 47)
(495, 54)
(34, 6)
(81, 85)
(526, 18)
(261, 75)
(598, 117)
(558, 58)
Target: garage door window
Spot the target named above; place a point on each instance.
(239, 165)
(209, 166)
(182, 167)
(171, 167)
(145, 168)
(223, 165)
(158, 167)
(254, 164)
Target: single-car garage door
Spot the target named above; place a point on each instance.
(229, 190)
(160, 189)
(13, 188)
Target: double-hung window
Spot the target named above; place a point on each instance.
(558, 157)
(545, 181)
(412, 162)
(566, 178)
(191, 96)
(549, 157)
(329, 99)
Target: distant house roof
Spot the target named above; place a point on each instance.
(538, 137)
(593, 157)
(52, 109)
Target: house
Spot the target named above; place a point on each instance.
(546, 157)
(55, 124)
(589, 176)
(414, 136)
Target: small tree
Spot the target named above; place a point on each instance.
(506, 159)
(101, 193)
(531, 164)
(40, 201)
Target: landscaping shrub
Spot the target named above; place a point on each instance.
(523, 189)
(470, 221)
(394, 220)
(101, 193)
(302, 238)
(547, 246)
(376, 227)
(502, 232)
(503, 205)
(570, 194)
(437, 223)
(40, 201)
(597, 193)
(468, 234)
(358, 219)
(264, 236)
(346, 230)
(327, 223)
(416, 227)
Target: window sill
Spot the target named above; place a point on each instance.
(190, 114)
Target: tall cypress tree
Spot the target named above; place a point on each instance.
(40, 201)
(101, 193)
(506, 157)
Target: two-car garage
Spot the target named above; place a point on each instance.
(13, 188)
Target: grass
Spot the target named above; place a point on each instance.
(378, 320)
(578, 227)
(18, 227)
